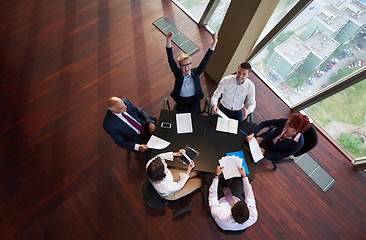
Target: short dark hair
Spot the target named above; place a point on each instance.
(240, 212)
(246, 65)
(155, 170)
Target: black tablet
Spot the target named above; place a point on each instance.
(189, 156)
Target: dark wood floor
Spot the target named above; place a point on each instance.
(62, 177)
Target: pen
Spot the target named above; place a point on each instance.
(243, 132)
(246, 148)
(205, 132)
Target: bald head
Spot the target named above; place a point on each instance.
(116, 105)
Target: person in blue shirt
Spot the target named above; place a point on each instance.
(187, 91)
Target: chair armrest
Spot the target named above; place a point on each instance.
(166, 104)
(207, 108)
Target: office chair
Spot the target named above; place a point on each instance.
(310, 141)
(155, 201)
(166, 104)
(206, 109)
(229, 232)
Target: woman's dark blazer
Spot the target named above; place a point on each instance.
(284, 147)
(195, 72)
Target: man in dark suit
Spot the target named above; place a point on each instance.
(187, 91)
(129, 126)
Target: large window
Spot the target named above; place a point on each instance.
(321, 48)
(343, 116)
(283, 7)
(218, 15)
(193, 8)
(316, 63)
(216, 11)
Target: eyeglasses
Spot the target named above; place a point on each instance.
(185, 65)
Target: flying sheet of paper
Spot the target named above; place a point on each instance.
(157, 143)
(221, 114)
(184, 123)
(231, 164)
(255, 150)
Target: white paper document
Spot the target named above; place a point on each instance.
(255, 150)
(157, 143)
(221, 114)
(184, 123)
(231, 164)
(227, 125)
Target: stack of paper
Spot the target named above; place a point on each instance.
(240, 154)
(231, 164)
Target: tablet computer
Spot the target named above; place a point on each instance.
(189, 156)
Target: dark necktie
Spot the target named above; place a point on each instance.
(134, 124)
(228, 195)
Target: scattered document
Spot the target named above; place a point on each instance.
(240, 154)
(184, 123)
(255, 150)
(231, 164)
(157, 143)
(227, 125)
(221, 114)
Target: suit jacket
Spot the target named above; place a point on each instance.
(122, 134)
(283, 148)
(195, 73)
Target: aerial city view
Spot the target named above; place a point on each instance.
(323, 45)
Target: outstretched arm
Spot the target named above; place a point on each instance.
(169, 37)
(215, 39)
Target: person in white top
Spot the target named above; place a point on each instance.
(234, 91)
(171, 184)
(239, 215)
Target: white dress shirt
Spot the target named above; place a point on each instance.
(234, 94)
(221, 209)
(167, 185)
(188, 89)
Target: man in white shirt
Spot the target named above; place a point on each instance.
(234, 91)
(242, 212)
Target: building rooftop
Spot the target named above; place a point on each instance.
(293, 50)
(334, 18)
(321, 45)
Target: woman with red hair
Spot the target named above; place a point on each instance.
(284, 136)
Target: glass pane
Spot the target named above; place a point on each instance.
(323, 44)
(343, 117)
(283, 7)
(195, 8)
(218, 15)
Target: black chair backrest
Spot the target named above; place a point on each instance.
(151, 197)
(310, 141)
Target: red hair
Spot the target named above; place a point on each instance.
(300, 122)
